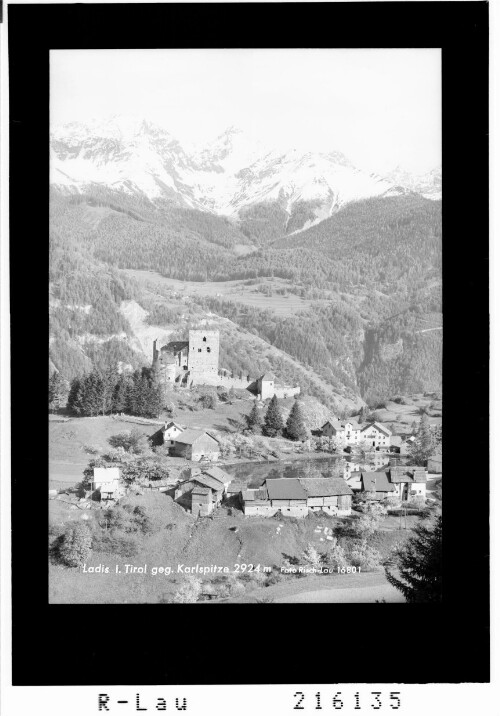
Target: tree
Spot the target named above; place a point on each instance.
(423, 445)
(189, 591)
(373, 514)
(273, 421)
(73, 403)
(254, 419)
(57, 391)
(91, 394)
(76, 545)
(132, 441)
(419, 563)
(295, 428)
(121, 394)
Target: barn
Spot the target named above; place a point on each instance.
(330, 494)
(196, 445)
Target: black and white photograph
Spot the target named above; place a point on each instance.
(250, 241)
(245, 363)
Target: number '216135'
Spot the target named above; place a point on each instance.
(337, 701)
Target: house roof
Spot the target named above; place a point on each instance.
(376, 481)
(337, 424)
(381, 428)
(202, 491)
(325, 486)
(171, 424)
(213, 435)
(235, 487)
(268, 376)
(106, 474)
(407, 473)
(189, 437)
(354, 481)
(248, 495)
(175, 346)
(207, 481)
(285, 488)
(218, 475)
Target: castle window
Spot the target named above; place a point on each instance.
(204, 339)
(208, 349)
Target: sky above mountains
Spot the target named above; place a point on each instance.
(381, 107)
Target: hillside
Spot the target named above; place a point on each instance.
(350, 308)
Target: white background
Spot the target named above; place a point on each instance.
(432, 700)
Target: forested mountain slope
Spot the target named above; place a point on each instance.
(375, 265)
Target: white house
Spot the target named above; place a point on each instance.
(376, 434)
(170, 432)
(347, 432)
(410, 481)
(107, 481)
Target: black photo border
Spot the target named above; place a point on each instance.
(167, 644)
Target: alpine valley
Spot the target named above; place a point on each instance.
(325, 274)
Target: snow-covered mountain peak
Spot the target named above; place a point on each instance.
(231, 173)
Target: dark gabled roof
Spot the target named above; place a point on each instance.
(201, 491)
(170, 424)
(267, 376)
(381, 428)
(337, 424)
(188, 437)
(236, 487)
(376, 481)
(407, 473)
(207, 481)
(175, 346)
(218, 474)
(325, 486)
(285, 488)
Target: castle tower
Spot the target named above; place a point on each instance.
(203, 360)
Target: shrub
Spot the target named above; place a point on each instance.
(132, 441)
(364, 556)
(208, 399)
(122, 545)
(76, 545)
(189, 591)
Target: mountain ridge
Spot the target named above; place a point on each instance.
(228, 177)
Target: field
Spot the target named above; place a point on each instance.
(400, 417)
(179, 541)
(244, 292)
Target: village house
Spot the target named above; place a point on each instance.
(410, 481)
(107, 481)
(170, 431)
(196, 445)
(294, 497)
(376, 434)
(378, 485)
(205, 488)
(348, 432)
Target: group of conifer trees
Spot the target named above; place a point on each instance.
(272, 424)
(98, 393)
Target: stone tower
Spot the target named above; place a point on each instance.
(203, 361)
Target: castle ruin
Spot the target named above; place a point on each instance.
(196, 362)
